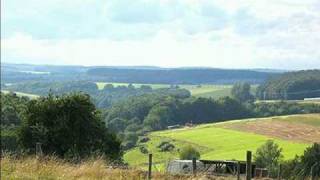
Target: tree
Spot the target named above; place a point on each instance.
(188, 153)
(309, 159)
(269, 156)
(67, 126)
(158, 117)
(241, 92)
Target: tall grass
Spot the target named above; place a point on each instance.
(48, 168)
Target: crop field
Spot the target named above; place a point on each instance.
(227, 141)
(298, 128)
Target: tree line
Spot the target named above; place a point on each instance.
(291, 86)
(104, 98)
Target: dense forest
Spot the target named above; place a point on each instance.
(179, 76)
(291, 86)
(104, 98)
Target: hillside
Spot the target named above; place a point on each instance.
(178, 75)
(13, 73)
(230, 140)
(291, 86)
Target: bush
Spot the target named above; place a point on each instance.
(288, 168)
(130, 140)
(188, 153)
(9, 141)
(166, 146)
(311, 157)
(144, 139)
(268, 156)
(143, 150)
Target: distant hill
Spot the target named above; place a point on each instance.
(12, 73)
(179, 75)
(291, 86)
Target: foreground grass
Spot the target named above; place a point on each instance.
(52, 168)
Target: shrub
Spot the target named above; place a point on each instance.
(130, 140)
(144, 139)
(143, 149)
(268, 156)
(288, 168)
(309, 159)
(188, 153)
(9, 141)
(166, 146)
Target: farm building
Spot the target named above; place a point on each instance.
(183, 166)
(213, 167)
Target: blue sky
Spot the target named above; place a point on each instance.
(281, 34)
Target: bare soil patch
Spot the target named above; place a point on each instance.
(279, 129)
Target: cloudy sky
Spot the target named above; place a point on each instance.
(281, 34)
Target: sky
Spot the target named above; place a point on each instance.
(277, 34)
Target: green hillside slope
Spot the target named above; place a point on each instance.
(217, 141)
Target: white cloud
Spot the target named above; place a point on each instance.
(229, 34)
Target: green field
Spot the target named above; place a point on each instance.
(213, 142)
(291, 101)
(205, 90)
(21, 94)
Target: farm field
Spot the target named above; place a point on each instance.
(297, 128)
(31, 96)
(227, 141)
(205, 90)
(292, 101)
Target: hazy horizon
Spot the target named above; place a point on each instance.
(244, 34)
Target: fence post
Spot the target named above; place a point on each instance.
(150, 166)
(38, 150)
(194, 166)
(238, 170)
(279, 172)
(249, 166)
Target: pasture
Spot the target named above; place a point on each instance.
(224, 141)
(204, 90)
(21, 94)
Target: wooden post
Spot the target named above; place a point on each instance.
(38, 150)
(312, 174)
(150, 166)
(279, 172)
(238, 170)
(194, 166)
(249, 166)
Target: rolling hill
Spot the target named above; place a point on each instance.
(230, 140)
(179, 75)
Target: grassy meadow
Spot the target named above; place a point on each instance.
(220, 142)
(31, 96)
